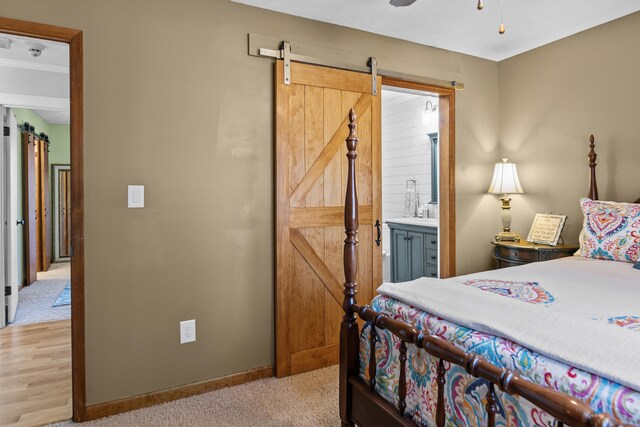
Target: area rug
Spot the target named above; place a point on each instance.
(65, 296)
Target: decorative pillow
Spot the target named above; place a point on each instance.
(610, 230)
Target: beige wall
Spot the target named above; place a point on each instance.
(551, 99)
(173, 101)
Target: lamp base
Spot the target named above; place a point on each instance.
(507, 236)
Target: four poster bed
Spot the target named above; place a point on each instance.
(522, 346)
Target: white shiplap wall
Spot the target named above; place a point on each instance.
(406, 149)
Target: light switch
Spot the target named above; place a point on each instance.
(136, 196)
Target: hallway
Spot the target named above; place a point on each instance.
(35, 303)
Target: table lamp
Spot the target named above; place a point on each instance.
(505, 181)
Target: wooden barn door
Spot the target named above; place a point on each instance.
(38, 195)
(311, 127)
(29, 207)
(45, 206)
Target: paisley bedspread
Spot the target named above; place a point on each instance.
(464, 394)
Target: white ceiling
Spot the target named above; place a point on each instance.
(39, 83)
(55, 117)
(54, 58)
(458, 25)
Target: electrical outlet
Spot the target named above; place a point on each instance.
(187, 331)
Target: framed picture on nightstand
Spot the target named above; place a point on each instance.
(546, 229)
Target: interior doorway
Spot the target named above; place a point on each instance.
(73, 330)
(439, 109)
(410, 204)
(34, 95)
(41, 287)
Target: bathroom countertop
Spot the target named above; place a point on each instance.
(425, 222)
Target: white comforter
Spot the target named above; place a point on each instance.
(572, 326)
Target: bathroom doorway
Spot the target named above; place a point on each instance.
(410, 122)
(418, 193)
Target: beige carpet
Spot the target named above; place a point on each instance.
(35, 302)
(309, 399)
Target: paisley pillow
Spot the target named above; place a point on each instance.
(610, 230)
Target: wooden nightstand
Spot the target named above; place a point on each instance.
(509, 254)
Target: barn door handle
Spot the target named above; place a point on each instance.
(378, 228)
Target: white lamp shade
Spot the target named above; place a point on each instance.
(505, 179)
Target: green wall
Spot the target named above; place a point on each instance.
(59, 153)
(59, 149)
(26, 115)
(59, 135)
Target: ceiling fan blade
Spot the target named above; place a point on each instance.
(401, 3)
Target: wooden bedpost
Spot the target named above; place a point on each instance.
(349, 326)
(593, 186)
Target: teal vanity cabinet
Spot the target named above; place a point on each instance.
(414, 250)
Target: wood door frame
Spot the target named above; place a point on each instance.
(447, 154)
(74, 39)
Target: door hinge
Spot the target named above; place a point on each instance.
(71, 251)
(7, 291)
(7, 131)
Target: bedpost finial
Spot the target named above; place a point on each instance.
(352, 139)
(592, 153)
(592, 156)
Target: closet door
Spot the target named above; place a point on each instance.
(38, 194)
(45, 206)
(311, 176)
(29, 207)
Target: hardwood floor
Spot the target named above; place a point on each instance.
(35, 373)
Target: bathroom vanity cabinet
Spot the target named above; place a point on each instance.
(414, 249)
